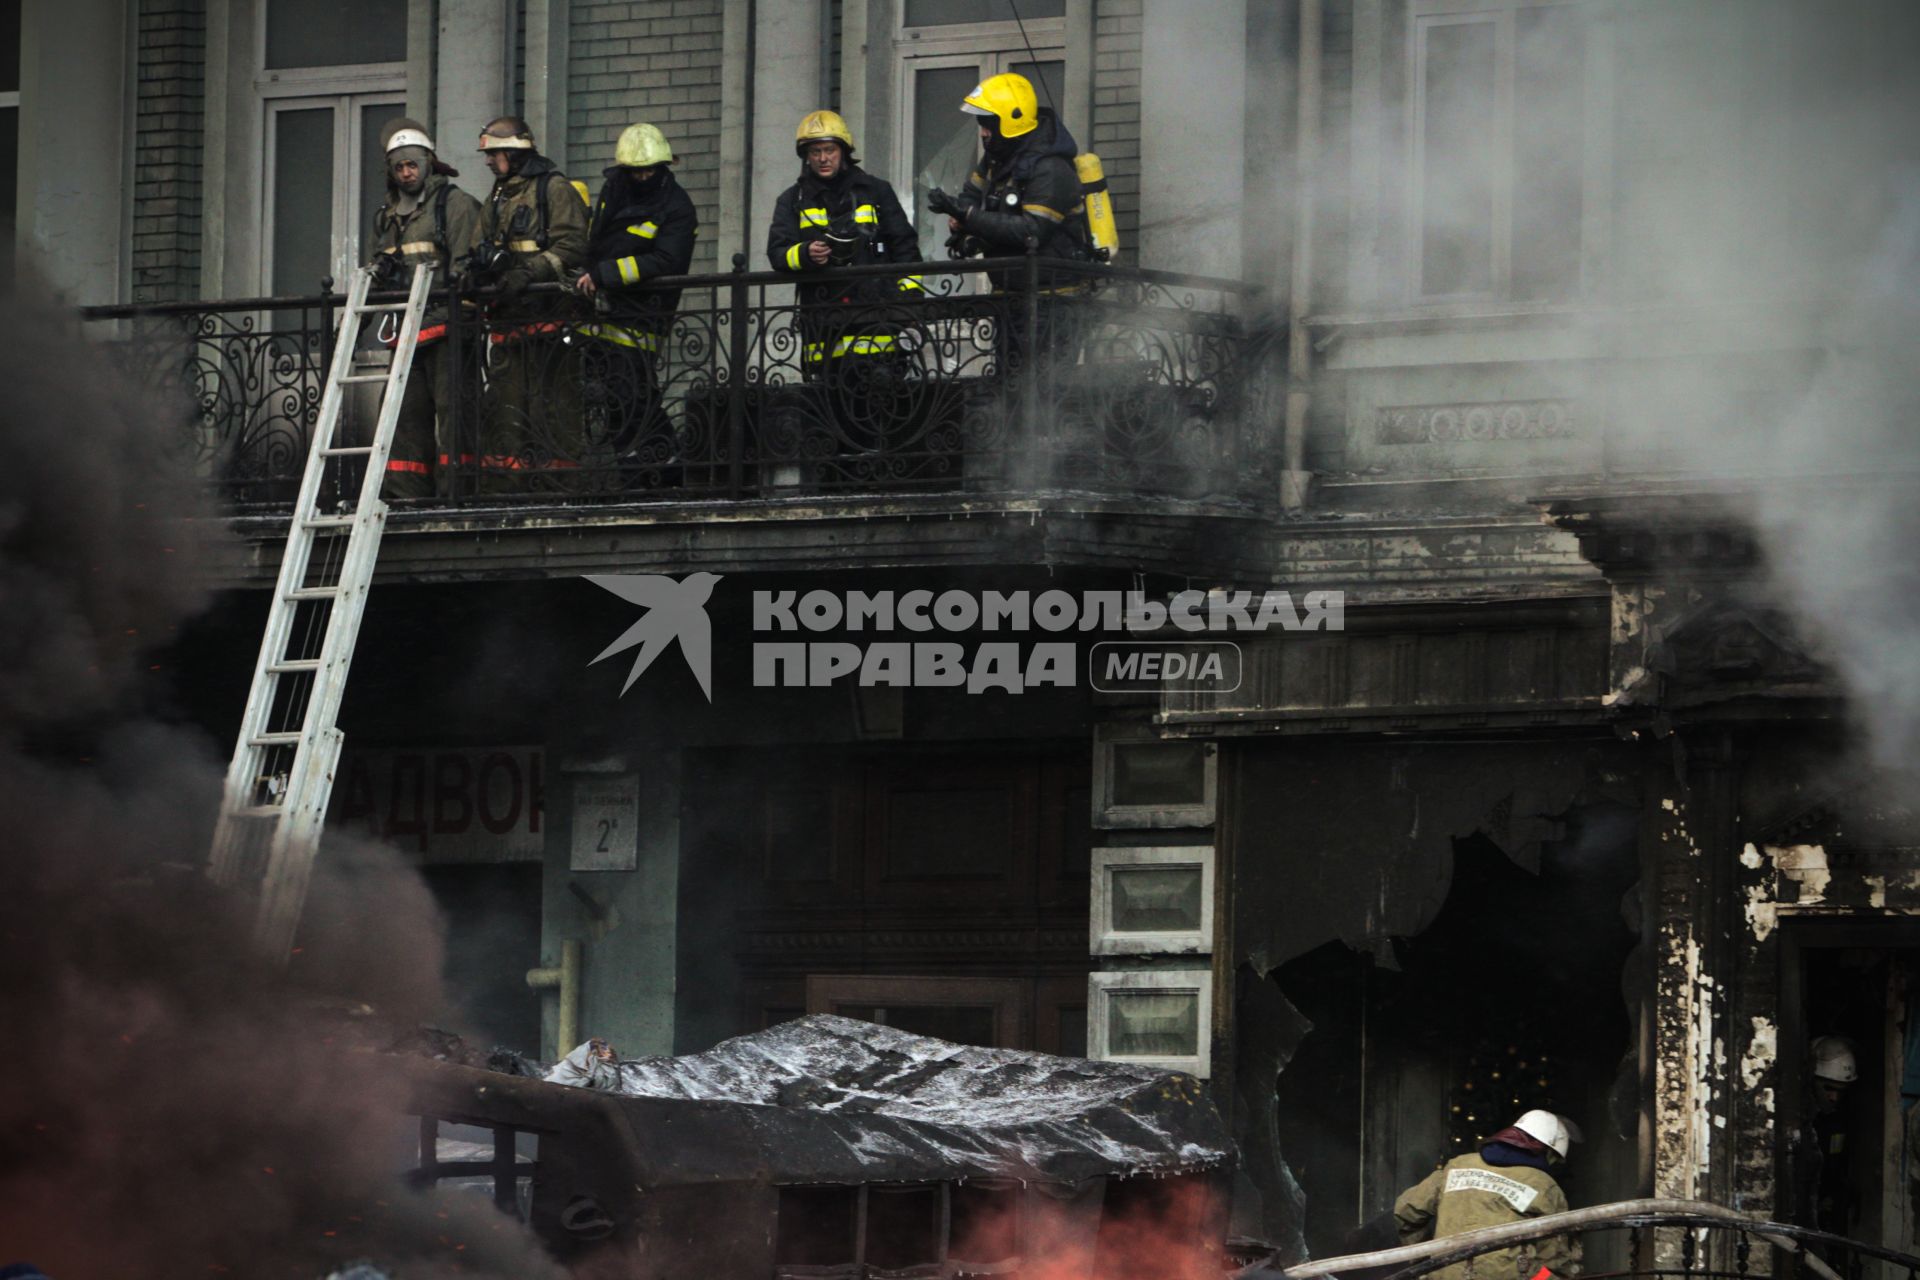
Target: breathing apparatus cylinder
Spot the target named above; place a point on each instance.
(1093, 188)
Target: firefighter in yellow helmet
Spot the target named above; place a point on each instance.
(533, 230)
(1507, 1180)
(643, 228)
(1025, 189)
(425, 221)
(839, 215)
(853, 330)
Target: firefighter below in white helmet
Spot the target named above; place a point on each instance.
(1507, 1180)
(1823, 1190)
(425, 221)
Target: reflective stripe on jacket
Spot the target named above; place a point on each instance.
(857, 203)
(860, 203)
(640, 231)
(1030, 189)
(512, 217)
(417, 236)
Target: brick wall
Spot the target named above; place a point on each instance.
(657, 61)
(1116, 112)
(168, 133)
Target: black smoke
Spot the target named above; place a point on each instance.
(170, 1104)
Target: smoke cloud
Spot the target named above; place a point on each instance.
(1718, 203)
(1792, 264)
(170, 1106)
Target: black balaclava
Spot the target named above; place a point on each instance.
(999, 146)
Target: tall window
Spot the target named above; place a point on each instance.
(1498, 130)
(945, 48)
(333, 72)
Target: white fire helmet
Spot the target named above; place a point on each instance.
(409, 138)
(1555, 1131)
(1833, 1060)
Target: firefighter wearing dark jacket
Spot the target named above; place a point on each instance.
(428, 221)
(1026, 189)
(839, 215)
(643, 228)
(533, 229)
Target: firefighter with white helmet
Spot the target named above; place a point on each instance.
(533, 212)
(533, 230)
(1507, 1180)
(425, 221)
(1823, 1194)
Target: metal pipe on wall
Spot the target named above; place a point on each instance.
(1294, 476)
(565, 980)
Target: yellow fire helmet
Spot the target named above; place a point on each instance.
(822, 126)
(642, 146)
(1011, 98)
(506, 133)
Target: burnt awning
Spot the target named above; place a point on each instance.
(826, 1099)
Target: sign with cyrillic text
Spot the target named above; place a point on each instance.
(606, 823)
(1514, 1192)
(444, 805)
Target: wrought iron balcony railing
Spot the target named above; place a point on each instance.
(1627, 1240)
(1002, 375)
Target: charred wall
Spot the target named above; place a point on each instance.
(1429, 936)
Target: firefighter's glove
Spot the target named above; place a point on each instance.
(939, 201)
(513, 283)
(390, 273)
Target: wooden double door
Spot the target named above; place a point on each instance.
(942, 892)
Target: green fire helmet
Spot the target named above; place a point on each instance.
(642, 146)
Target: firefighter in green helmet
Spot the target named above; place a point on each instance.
(643, 228)
(425, 221)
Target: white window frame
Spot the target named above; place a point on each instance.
(345, 89)
(1108, 814)
(348, 199)
(1101, 987)
(1110, 941)
(1422, 17)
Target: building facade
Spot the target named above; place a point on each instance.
(1541, 322)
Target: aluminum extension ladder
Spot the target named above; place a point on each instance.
(281, 774)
